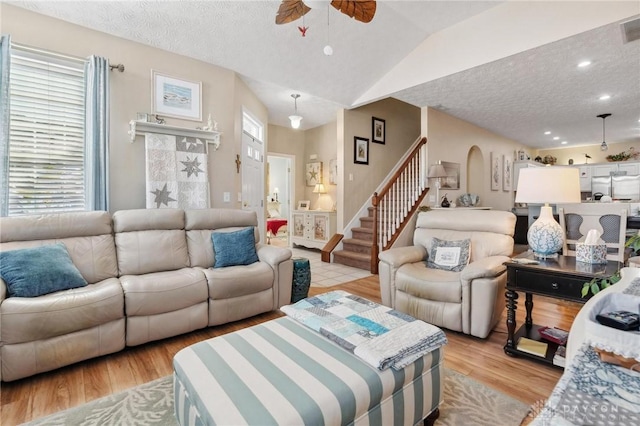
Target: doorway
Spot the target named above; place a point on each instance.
(279, 195)
(253, 169)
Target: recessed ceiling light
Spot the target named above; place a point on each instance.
(555, 138)
(563, 143)
(548, 132)
(584, 64)
(604, 97)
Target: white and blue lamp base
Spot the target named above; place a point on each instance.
(545, 236)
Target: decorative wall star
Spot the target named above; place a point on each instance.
(162, 196)
(313, 175)
(192, 167)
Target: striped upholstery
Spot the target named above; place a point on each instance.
(281, 372)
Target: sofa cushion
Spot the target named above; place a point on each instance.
(423, 282)
(32, 272)
(234, 248)
(236, 281)
(449, 255)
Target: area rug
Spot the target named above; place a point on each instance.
(466, 402)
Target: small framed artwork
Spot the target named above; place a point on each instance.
(378, 131)
(507, 166)
(314, 173)
(173, 97)
(360, 150)
(495, 172)
(333, 171)
(452, 181)
(303, 205)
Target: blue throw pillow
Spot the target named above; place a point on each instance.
(32, 272)
(234, 248)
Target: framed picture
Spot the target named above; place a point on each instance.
(495, 172)
(173, 97)
(360, 150)
(303, 205)
(507, 168)
(333, 171)
(377, 130)
(452, 181)
(314, 173)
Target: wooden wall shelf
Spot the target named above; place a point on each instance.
(142, 127)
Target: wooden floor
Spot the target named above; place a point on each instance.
(482, 359)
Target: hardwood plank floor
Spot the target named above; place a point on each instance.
(481, 359)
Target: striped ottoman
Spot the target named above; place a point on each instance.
(282, 373)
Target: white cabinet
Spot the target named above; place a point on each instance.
(584, 172)
(630, 168)
(313, 228)
(603, 169)
(517, 166)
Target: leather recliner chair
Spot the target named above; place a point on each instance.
(471, 300)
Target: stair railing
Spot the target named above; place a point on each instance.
(398, 200)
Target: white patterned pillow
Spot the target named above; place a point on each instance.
(449, 255)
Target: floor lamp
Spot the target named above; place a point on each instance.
(437, 172)
(547, 185)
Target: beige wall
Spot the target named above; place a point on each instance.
(223, 95)
(402, 122)
(577, 154)
(451, 139)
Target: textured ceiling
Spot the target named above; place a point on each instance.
(518, 97)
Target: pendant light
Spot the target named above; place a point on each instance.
(295, 118)
(603, 145)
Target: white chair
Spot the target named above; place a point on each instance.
(608, 218)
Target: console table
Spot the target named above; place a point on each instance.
(560, 278)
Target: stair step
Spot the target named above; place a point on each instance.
(366, 222)
(357, 246)
(365, 234)
(355, 260)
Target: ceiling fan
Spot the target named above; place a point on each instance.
(360, 10)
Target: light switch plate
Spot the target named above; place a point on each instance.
(227, 197)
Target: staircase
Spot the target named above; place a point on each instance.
(356, 251)
(397, 199)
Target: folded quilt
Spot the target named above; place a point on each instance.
(379, 335)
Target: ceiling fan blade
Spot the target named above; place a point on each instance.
(362, 10)
(290, 10)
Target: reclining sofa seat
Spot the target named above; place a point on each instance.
(241, 291)
(43, 333)
(470, 301)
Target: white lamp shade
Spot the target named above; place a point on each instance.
(295, 121)
(437, 171)
(551, 184)
(319, 189)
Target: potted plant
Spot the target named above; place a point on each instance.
(597, 284)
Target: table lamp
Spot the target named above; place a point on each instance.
(437, 172)
(548, 185)
(319, 189)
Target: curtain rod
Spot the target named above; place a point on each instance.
(119, 67)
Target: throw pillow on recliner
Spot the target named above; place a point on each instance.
(449, 255)
(37, 271)
(234, 248)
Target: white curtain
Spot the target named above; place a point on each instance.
(177, 172)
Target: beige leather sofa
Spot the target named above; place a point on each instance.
(471, 300)
(149, 275)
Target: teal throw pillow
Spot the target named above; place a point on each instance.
(234, 248)
(449, 255)
(32, 272)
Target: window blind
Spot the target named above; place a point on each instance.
(46, 134)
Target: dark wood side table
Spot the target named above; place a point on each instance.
(560, 278)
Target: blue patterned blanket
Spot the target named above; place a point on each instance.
(379, 335)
